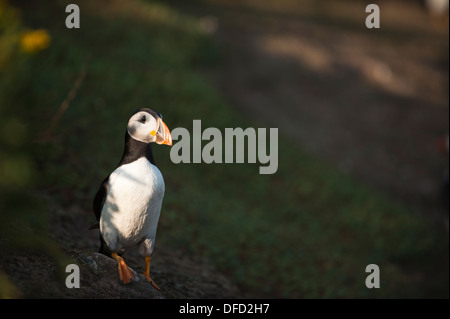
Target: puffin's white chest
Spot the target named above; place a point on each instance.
(133, 203)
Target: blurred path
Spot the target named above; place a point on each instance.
(373, 101)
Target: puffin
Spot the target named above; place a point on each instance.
(128, 203)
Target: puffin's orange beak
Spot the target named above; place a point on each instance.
(163, 135)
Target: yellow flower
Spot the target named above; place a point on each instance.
(35, 41)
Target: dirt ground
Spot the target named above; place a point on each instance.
(178, 273)
(372, 102)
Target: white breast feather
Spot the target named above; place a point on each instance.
(133, 204)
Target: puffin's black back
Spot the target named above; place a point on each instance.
(133, 150)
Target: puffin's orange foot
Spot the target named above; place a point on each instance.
(150, 280)
(125, 273)
(147, 273)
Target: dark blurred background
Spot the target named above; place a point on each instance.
(363, 116)
(374, 102)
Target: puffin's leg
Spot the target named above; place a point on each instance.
(146, 250)
(147, 272)
(125, 273)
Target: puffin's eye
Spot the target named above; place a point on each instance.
(142, 119)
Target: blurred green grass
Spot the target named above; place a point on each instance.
(307, 231)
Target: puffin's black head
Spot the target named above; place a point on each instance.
(147, 126)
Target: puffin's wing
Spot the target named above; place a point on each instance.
(99, 200)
